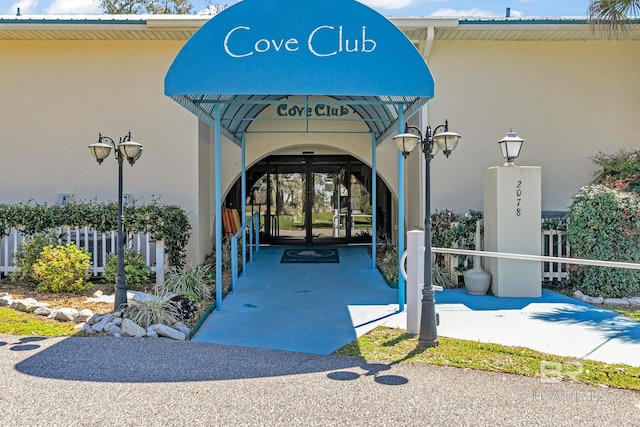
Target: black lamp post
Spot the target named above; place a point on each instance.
(131, 151)
(439, 138)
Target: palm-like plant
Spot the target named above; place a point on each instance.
(613, 16)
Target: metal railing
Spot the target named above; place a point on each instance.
(554, 244)
(560, 260)
(98, 245)
(252, 226)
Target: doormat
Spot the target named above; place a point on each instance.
(310, 256)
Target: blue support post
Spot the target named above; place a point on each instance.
(218, 205)
(374, 200)
(400, 213)
(251, 228)
(258, 232)
(243, 196)
(234, 264)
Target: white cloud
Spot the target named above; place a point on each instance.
(26, 6)
(60, 7)
(388, 4)
(477, 13)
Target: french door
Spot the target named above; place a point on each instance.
(313, 199)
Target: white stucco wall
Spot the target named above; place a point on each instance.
(568, 100)
(57, 96)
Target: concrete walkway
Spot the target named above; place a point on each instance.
(318, 308)
(554, 324)
(309, 308)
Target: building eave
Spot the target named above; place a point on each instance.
(182, 27)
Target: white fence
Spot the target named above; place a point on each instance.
(96, 243)
(554, 244)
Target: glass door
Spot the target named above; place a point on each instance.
(309, 199)
(331, 208)
(287, 220)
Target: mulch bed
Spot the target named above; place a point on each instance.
(79, 301)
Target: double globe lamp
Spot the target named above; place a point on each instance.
(433, 140)
(125, 149)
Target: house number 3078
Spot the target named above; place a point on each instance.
(518, 198)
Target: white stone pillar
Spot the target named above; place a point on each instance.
(512, 217)
(415, 279)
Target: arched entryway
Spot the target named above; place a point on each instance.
(313, 199)
(257, 54)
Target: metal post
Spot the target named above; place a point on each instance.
(243, 203)
(120, 297)
(401, 213)
(374, 201)
(428, 332)
(218, 206)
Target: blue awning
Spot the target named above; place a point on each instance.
(259, 52)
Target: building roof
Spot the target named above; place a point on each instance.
(182, 27)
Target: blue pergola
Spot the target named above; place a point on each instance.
(258, 53)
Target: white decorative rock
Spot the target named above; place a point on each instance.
(114, 330)
(130, 329)
(27, 305)
(66, 314)
(634, 302)
(139, 296)
(151, 333)
(5, 300)
(578, 295)
(99, 327)
(83, 316)
(169, 332)
(94, 319)
(182, 328)
(617, 302)
(593, 300)
(42, 311)
(97, 294)
(108, 326)
(87, 329)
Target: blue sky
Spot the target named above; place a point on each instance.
(421, 8)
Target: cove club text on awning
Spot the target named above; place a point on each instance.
(322, 41)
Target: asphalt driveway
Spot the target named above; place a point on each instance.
(103, 381)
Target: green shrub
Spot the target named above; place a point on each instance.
(225, 255)
(136, 270)
(190, 281)
(604, 224)
(621, 169)
(156, 310)
(28, 253)
(387, 258)
(63, 268)
(449, 230)
(165, 222)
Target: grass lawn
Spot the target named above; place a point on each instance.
(17, 323)
(395, 345)
(631, 313)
